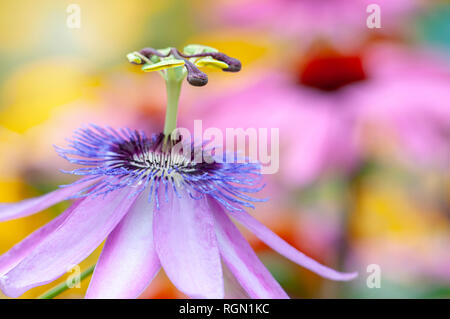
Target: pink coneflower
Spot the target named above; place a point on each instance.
(308, 106)
(156, 208)
(327, 108)
(406, 99)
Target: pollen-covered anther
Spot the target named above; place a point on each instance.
(234, 65)
(192, 57)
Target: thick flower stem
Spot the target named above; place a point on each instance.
(174, 80)
(56, 291)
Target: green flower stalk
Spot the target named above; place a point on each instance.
(59, 289)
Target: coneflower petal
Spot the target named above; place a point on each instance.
(128, 262)
(283, 248)
(186, 244)
(75, 239)
(240, 258)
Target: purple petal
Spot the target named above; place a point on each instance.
(242, 260)
(11, 258)
(187, 246)
(34, 205)
(233, 289)
(128, 261)
(275, 242)
(75, 239)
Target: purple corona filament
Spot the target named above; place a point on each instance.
(123, 158)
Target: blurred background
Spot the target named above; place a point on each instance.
(363, 113)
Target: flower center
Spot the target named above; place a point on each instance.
(331, 71)
(156, 159)
(126, 158)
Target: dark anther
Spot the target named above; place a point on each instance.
(234, 65)
(195, 77)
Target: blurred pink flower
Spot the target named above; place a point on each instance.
(323, 113)
(408, 98)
